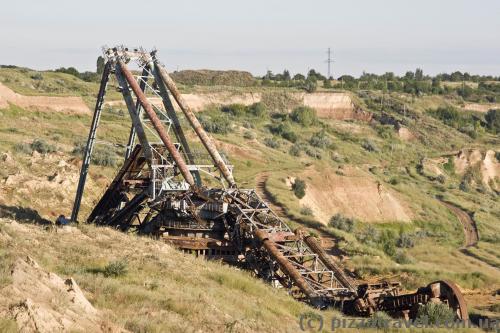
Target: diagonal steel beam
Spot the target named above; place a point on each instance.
(136, 121)
(179, 132)
(158, 126)
(132, 135)
(91, 141)
(205, 139)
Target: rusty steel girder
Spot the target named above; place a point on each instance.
(198, 128)
(165, 138)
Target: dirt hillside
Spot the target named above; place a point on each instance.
(72, 104)
(353, 193)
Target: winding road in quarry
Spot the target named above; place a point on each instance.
(468, 224)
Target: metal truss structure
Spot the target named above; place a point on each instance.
(160, 191)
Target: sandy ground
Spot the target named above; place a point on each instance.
(71, 104)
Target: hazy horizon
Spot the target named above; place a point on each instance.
(389, 36)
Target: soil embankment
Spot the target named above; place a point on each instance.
(53, 103)
(337, 106)
(354, 193)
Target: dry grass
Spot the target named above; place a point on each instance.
(162, 289)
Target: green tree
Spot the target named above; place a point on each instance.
(409, 75)
(286, 75)
(419, 74)
(299, 77)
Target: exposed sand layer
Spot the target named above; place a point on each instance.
(481, 107)
(468, 160)
(328, 105)
(354, 193)
(486, 162)
(60, 104)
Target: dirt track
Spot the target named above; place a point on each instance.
(469, 226)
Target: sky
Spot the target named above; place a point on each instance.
(259, 35)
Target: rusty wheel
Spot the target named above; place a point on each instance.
(449, 293)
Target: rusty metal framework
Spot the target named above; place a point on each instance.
(160, 191)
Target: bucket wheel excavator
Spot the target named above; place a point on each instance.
(190, 199)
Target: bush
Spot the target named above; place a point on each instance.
(492, 118)
(405, 240)
(104, 157)
(304, 115)
(310, 85)
(290, 136)
(237, 110)
(441, 179)
(320, 140)
(23, 147)
(295, 150)
(258, 110)
(299, 188)
(306, 210)
(38, 145)
(341, 222)
(388, 243)
(402, 258)
(272, 143)
(284, 130)
(115, 268)
(369, 236)
(385, 131)
(314, 153)
(369, 145)
(435, 313)
(220, 124)
(448, 115)
(465, 185)
(42, 147)
(249, 135)
(79, 149)
(37, 77)
(394, 181)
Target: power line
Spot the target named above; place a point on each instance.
(329, 61)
